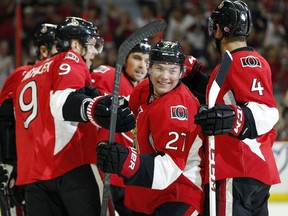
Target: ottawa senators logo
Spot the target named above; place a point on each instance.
(73, 22)
(179, 112)
(250, 61)
(43, 29)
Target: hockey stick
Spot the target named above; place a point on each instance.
(212, 96)
(4, 200)
(4, 204)
(124, 49)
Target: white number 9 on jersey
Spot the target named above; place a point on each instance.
(31, 106)
(64, 69)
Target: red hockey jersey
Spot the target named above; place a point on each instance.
(165, 126)
(248, 82)
(48, 146)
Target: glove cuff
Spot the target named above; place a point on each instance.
(238, 121)
(131, 164)
(91, 109)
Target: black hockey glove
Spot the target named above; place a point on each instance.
(192, 66)
(99, 112)
(221, 119)
(7, 183)
(117, 158)
(195, 79)
(92, 91)
(5, 175)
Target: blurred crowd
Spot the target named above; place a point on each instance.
(186, 23)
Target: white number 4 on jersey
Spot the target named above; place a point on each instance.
(256, 86)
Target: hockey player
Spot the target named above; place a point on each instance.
(164, 176)
(44, 43)
(54, 125)
(44, 39)
(242, 119)
(134, 71)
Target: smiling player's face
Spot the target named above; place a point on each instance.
(164, 77)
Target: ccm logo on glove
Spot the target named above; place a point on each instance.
(239, 120)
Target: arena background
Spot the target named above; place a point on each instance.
(187, 23)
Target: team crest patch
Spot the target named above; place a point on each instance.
(179, 112)
(101, 69)
(250, 61)
(72, 56)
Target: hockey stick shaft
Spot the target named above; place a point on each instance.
(212, 96)
(4, 200)
(135, 38)
(4, 206)
(124, 49)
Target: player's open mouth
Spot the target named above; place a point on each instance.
(163, 83)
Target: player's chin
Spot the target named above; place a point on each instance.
(139, 76)
(88, 63)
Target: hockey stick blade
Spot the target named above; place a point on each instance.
(212, 96)
(124, 49)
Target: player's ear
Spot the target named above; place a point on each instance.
(43, 52)
(217, 31)
(149, 70)
(77, 47)
(181, 74)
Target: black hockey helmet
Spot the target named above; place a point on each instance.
(45, 35)
(77, 28)
(168, 51)
(144, 47)
(233, 17)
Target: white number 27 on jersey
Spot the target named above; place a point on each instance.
(172, 144)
